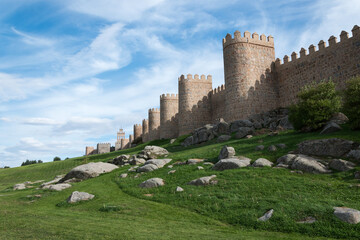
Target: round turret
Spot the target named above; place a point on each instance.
(154, 124)
(249, 85)
(137, 131)
(169, 107)
(145, 130)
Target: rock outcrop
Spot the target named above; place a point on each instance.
(154, 152)
(304, 163)
(203, 181)
(262, 162)
(231, 163)
(152, 182)
(79, 196)
(348, 215)
(226, 152)
(89, 170)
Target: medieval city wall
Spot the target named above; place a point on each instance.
(337, 61)
(154, 124)
(103, 148)
(89, 150)
(217, 101)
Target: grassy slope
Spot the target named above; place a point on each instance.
(228, 210)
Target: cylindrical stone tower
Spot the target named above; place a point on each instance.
(137, 131)
(169, 107)
(131, 139)
(154, 124)
(145, 130)
(194, 106)
(249, 85)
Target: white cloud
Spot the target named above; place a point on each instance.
(40, 121)
(33, 40)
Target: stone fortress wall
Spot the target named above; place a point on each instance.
(255, 82)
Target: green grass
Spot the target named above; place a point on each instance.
(228, 210)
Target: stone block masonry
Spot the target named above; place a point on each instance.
(145, 130)
(137, 131)
(103, 148)
(254, 82)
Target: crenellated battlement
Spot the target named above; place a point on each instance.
(137, 125)
(103, 144)
(196, 78)
(145, 121)
(154, 110)
(218, 90)
(254, 38)
(169, 96)
(332, 42)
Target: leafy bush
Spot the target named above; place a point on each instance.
(57, 159)
(317, 103)
(351, 106)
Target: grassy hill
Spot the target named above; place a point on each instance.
(228, 210)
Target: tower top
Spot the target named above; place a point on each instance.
(248, 38)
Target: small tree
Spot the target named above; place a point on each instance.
(317, 103)
(351, 106)
(57, 159)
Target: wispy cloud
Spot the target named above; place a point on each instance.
(33, 40)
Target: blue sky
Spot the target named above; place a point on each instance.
(74, 71)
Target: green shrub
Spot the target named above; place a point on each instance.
(316, 104)
(57, 159)
(351, 106)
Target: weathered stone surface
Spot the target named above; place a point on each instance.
(243, 132)
(147, 168)
(57, 187)
(259, 148)
(195, 161)
(222, 128)
(223, 138)
(124, 175)
(234, 126)
(284, 123)
(19, 186)
(333, 147)
(200, 168)
(137, 161)
(226, 152)
(202, 181)
(72, 180)
(354, 154)
(79, 196)
(158, 162)
(231, 163)
(172, 140)
(154, 152)
(188, 141)
(341, 165)
(89, 170)
(133, 169)
(56, 180)
(152, 182)
(170, 166)
(348, 215)
(179, 189)
(339, 118)
(309, 165)
(266, 216)
(262, 162)
(330, 128)
(287, 159)
(120, 160)
(208, 163)
(272, 148)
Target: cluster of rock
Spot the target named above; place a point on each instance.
(274, 120)
(25, 185)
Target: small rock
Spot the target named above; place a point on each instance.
(57, 187)
(179, 189)
(266, 216)
(348, 215)
(307, 220)
(137, 175)
(223, 138)
(202, 181)
(226, 152)
(243, 132)
(248, 136)
(309, 165)
(208, 163)
(341, 165)
(231, 163)
(148, 194)
(195, 161)
(172, 141)
(170, 166)
(160, 163)
(172, 172)
(19, 186)
(339, 118)
(154, 152)
(354, 154)
(137, 161)
(200, 168)
(133, 169)
(262, 162)
(147, 168)
(272, 148)
(259, 148)
(330, 128)
(152, 182)
(287, 159)
(124, 175)
(281, 145)
(79, 196)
